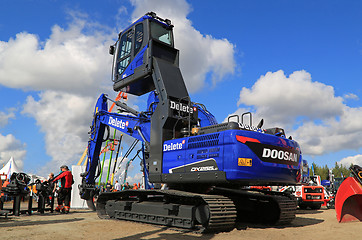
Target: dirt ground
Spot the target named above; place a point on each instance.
(84, 224)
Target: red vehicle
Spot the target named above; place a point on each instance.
(267, 188)
(307, 196)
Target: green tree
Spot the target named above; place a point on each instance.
(340, 170)
(323, 172)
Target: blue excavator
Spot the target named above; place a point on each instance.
(205, 167)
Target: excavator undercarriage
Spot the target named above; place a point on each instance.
(208, 212)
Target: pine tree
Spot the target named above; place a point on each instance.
(340, 171)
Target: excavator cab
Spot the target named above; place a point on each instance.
(132, 53)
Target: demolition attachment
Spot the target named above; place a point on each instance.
(348, 201)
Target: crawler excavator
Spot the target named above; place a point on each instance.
(206, 165)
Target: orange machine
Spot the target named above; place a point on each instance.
(307, 196)
(348, 201)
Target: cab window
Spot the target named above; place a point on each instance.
(124, 54)
(160, 33)
(138, 37)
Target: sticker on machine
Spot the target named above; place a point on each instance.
(199, 166)
(171, 146)
(275, 154)
(245, 162)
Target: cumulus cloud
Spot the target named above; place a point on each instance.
(351, 96)
(332, 135)
(64, 118)
(70, 69)
(11, 147)
(309, 111)
(199, 54)
(281, 99)
(137, 178)
(73, 59)
(4, 117)
(357, 160)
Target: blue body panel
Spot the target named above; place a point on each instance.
(206, 118)
(226, 150)
(136, 62)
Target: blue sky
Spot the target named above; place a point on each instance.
(297, 64)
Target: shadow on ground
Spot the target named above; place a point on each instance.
(297, 222)
(23, 222)
(308, 211)
(174, 235)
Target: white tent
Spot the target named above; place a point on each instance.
(9, 168)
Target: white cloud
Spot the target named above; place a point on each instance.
(65, 119)
(11, 147)
(4, 117)
(332, 135)
(75, 59)
(199, 54)
(351, 96)
(357, 160)
(137, 178)
(309, 111)
(281, 99)
(70, 68)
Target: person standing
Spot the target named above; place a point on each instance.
(3, 197)
(108, 187)
(65, 191)
(127, 186)
(118, 186)
(52, 186)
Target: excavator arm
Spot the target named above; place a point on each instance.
(133, 123)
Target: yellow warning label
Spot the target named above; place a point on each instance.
(246, 162)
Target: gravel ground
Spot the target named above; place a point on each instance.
(84, 224)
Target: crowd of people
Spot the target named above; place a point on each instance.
(61, 187)
(108, 187)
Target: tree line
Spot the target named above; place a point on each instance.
(338, 171)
